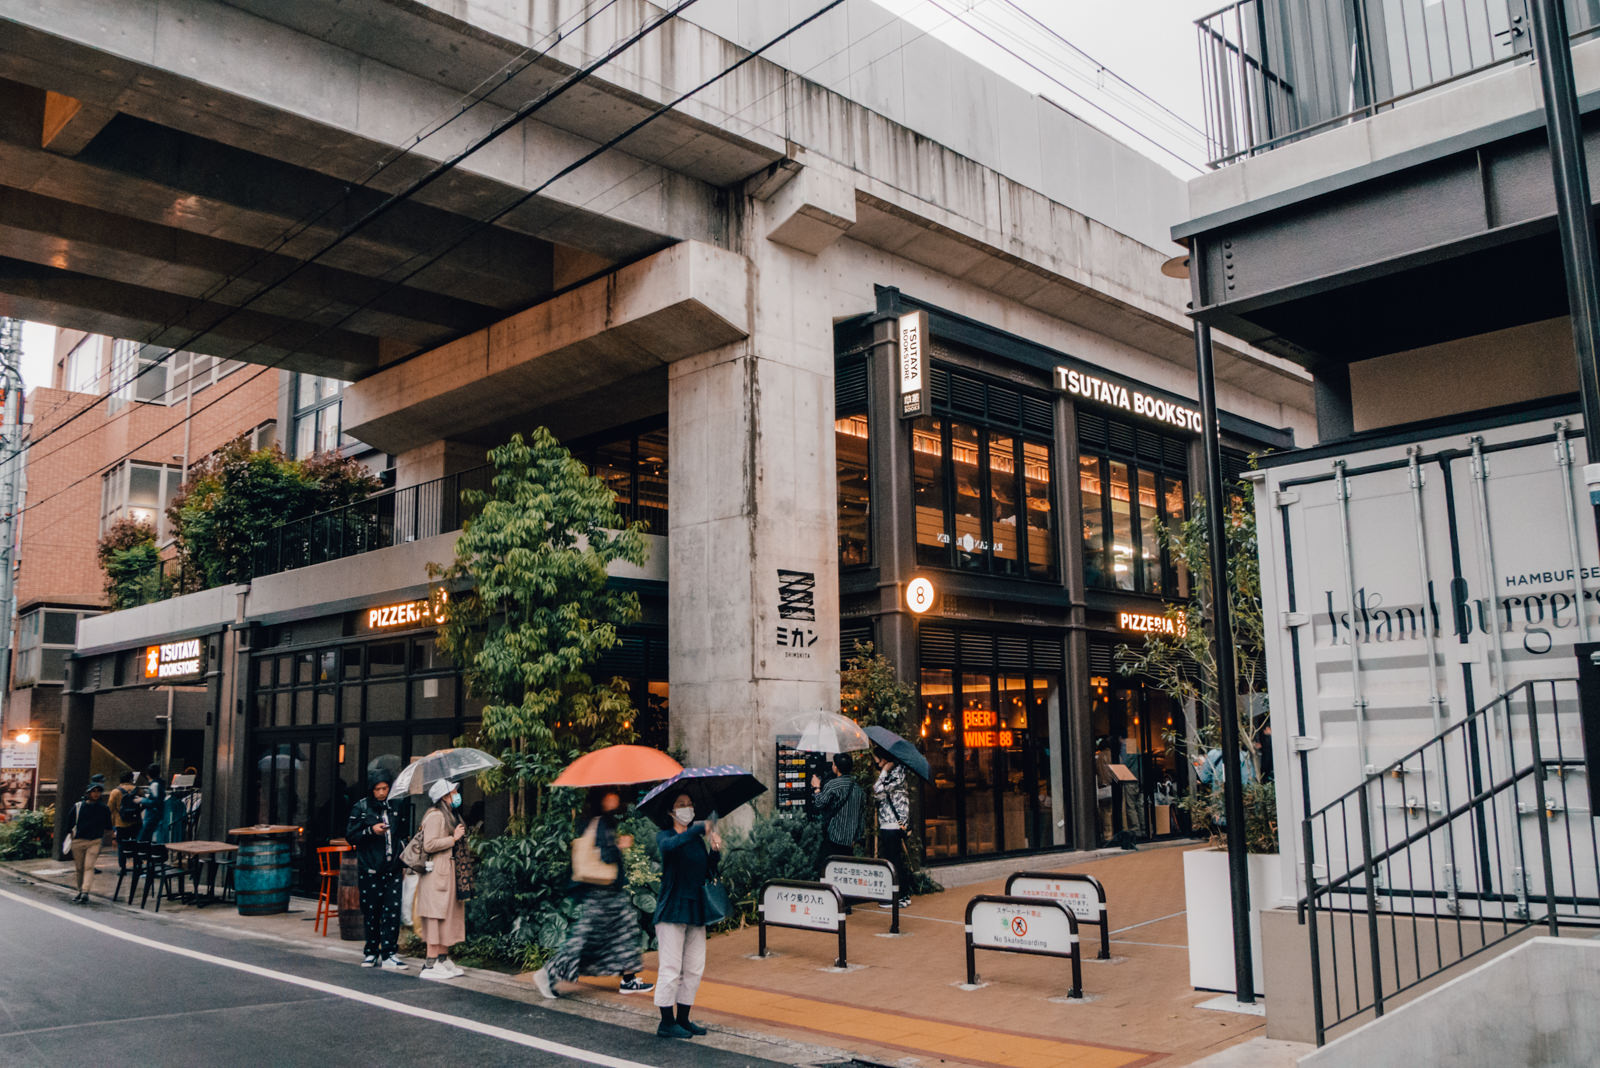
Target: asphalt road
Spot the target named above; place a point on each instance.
(111, 990)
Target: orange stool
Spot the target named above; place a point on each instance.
(327, 896)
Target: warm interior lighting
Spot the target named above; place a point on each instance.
(23, 737)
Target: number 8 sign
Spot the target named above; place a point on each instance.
(919, 595)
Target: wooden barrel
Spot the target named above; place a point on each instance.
(262, 875)
(351, 925)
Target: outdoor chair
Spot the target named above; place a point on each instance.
(135, 855)
(328, 895)
(161, 873)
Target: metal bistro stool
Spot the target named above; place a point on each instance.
(328, 893)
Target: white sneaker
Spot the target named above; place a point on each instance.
(436, 972)
(369, 961)
(394, 964)
(541, 979)
(450, 966)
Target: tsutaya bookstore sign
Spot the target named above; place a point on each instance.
(1105, 391)
(913, 343)
(173, 661)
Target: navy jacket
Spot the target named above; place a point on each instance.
(686, 863)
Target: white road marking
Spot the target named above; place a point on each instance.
(1146, 923)
(488, 1030)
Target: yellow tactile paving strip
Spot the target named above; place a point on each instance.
(914, 1034)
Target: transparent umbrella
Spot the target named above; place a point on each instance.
(452, 764)
(823, 732)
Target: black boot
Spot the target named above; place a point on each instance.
(687, 1024)
(668, 1027)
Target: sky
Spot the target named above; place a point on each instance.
(1148, 43)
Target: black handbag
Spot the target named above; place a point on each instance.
(714, 899)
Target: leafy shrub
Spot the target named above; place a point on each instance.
(1204, 806)
(28, 834)
(778, 846)
(128, 556)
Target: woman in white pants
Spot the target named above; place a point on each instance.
(689, 855)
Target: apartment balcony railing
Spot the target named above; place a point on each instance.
(392, 517)
(1274, 71)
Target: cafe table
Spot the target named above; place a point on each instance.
(197, 853)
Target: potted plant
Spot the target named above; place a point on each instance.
(1182, 664)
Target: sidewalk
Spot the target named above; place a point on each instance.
(900, 1001)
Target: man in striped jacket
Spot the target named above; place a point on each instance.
(837, 804)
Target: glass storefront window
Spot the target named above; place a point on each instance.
(966, 479)
(979, 737)
(1091, 494)
(1127, 501)
(1121, 530)
(939, 738)
(1143, 730)
(1036, 489)
(1003, 525)
(634, 468)
(927, 490)
(386, 701)
(855, 500)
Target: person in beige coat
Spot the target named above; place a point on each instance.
(443, 914)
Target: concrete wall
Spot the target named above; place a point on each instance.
(1502, 367)
(1531, 1006)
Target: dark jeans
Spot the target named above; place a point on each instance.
(126, 837)
(831, 849)
(892, 847)
(380, 910)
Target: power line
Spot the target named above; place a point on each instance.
(383, 208)
(480, 225)
(1067, 88)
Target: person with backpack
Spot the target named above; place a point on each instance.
(837, 804)
(605, 938)
(125, 821)
(373, 831)
(91, 819)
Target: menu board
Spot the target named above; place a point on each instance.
(795, 768)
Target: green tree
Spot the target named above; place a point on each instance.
(234, 498)
(872, 694)
(131, 562)
(1183, 665)
(531, 610)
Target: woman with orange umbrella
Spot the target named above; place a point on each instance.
(605, 938)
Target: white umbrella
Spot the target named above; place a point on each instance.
(823, 732)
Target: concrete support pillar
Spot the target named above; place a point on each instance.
(72, 774)
(1330, 389)
(754, 610)
(435, 460)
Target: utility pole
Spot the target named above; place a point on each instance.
(10, 497)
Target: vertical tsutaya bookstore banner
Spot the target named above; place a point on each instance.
(19, 778)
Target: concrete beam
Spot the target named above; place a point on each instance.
(69, 125)
(683, 300)
(810, 203)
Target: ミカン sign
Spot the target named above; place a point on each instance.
(1105, 391)
(175, 660)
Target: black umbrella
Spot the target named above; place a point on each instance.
(900, 750)
(720, 789)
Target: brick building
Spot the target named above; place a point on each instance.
(104, 442)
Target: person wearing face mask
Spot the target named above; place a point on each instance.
(689, 854)
(443, 915)
(604, 940)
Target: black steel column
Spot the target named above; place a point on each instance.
(72, 773)
(1227, 704)
(1552, 50)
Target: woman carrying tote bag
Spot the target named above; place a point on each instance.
(604, 940)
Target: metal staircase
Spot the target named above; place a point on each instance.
(1460, 846)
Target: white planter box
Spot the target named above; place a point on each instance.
(1209, 915)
